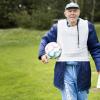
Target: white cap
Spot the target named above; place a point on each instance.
(72, 5)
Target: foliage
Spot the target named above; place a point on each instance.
(42, 20)
(22, 19)
(40, 14)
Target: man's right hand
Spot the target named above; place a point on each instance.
(44, 59)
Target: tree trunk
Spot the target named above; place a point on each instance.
(93, 10)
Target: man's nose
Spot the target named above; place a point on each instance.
(72, 12)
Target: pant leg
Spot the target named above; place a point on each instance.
(69, 92)
(82, 95)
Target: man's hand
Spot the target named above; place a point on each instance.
(44, 59)
(98, 72)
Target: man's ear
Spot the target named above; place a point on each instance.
(65, 13)
(79, 12)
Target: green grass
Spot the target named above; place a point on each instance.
(22, 75)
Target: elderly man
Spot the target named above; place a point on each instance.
(77, 38)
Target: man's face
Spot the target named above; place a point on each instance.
(72, 14)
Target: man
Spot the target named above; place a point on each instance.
(77, 37)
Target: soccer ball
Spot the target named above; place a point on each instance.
(53, 50)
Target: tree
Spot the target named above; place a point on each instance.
(41, 13)
(93, 10)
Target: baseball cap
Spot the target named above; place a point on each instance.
(72, 5)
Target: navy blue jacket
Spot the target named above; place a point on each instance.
(84, 69)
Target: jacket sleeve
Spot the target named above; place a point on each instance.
(50, 36)
(94, 45)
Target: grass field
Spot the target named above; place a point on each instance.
(22, 75)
